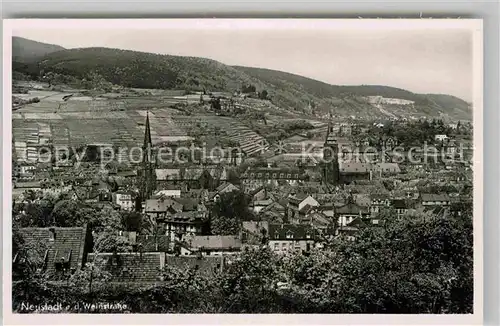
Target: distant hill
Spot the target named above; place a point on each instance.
(344, 99)
(289, 91)
(24, 50)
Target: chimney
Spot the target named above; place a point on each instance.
(52, 233)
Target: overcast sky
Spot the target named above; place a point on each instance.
(422, 61)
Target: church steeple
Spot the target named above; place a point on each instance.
(148, 175)
(147, 133)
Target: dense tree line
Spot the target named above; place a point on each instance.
(418, 264)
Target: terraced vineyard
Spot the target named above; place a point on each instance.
(117, 121)
(249, 141)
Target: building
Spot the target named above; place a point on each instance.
(401, 206)
(299, 206)
(131, 267)
(434, 200)
(226, 187)
(183, 224)
(158, 208)
(172, 193)
(125, 199)
(214, 245)
(378, 202)
(188, 178)
(254, 232)
(291, 237)
(346, 213)
(352, 171)
(331, 157)
(57, 251)
(440, 137)
(254, 178)
(148, 180)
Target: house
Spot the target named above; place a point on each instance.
(291, 237)
(172, 193)
(29, 185)
(204, 265)
(351, 229)
(202, 195)
(254, 232)
(189, 178)
(401, 206)
(254, 178)
(275, 211)
(352, 171)
(258, 194)
(158, 208)
(165, 175)
(131, 267)
(259, 205)
(434, 200)
(214, 245)
(149, 243)
(125, 199)
(198, 178)
(346, 213)
(58, 251)
(226, 187)
(299, 206)
(182, 224)
(378, 202)
(440, 137)
(317, 220)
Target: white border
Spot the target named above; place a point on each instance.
(476, 27)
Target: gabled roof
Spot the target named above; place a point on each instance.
(354, 167)
(351, 209)
(378, 197)
(226, 186)
(218, 173)
(206, 265)
(306, 209)
(28, 184)
(162, 205)
(434, 197)
(188, 204)
(153, 243)
(216, 242)
(133, 267)
(399, 204)
(168, 174)
(68, 242)
(298, 198)
(294, 232)
(193, 173)
(264, 202)
(318, 219)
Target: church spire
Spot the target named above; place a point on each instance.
(147, 133)
(148, 177)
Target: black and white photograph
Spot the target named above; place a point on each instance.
(244, 166)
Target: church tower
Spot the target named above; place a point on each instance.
(148, 172)
(331, 157)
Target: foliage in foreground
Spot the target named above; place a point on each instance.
(421, 264)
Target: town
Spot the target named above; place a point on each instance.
(211, 201)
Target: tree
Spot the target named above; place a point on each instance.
(419, 264)
(263, 95)
(110, 240)
(248, 284)
(132, 221)
(228, 212)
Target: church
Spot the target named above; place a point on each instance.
(337, 171)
